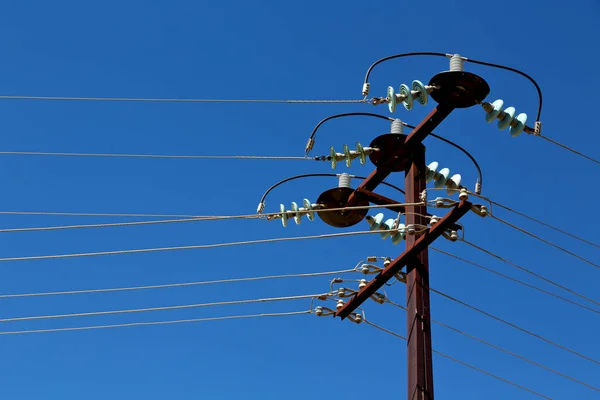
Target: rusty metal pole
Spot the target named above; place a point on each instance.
(418, 322)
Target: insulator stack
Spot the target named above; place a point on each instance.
(505, 117)
(407, 97)
(442, 178)
(391, 227)
(296, 212)
(361, 153)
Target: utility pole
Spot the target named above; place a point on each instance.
(418, 321)
(409, 156)
(395, 152)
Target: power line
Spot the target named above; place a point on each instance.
(504, 350)
(123, 155)
(570, 149)
(517, 327)
(516, 280)
(166, 100)
(122, 224)
(179, 321)
(546, 241)
(165, 308)
(529, 272)
(462, 363)
(77, 214)
(176, 248)
(174, 285)
(545, 224)
(189, 219)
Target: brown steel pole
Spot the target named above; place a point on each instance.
(420, 368)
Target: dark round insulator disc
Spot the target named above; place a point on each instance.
(459, 89)
(336, 198)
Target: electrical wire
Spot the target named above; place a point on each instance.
(175, 285)
(463, 363)
(537, 87)
(515, 326)
(537, 220)
(179, 321)
(419, 53)
(311, 138)
(460, 148)
(121, 224)
(545, 241)
(165, 308)
(191, 219)
(123, 155)
(516, 280)
(165, 100)
(266, 193)
(76, 214)
(569, 149)
(530, 272)
(179, 216)
(504, 350)
(190, 247)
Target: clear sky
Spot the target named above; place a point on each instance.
(282, 50)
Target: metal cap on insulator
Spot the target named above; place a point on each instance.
(439, 202)
(365, 89)
(477, 187)
(340, 304)
(387, 261)
(453, 236)
(434, 220)
(483, 211)
(410, 229)
(463, 194)
(309, 145)
(362, 284)
(341, 292)
(319, 311)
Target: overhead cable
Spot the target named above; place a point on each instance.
(545, 241)
(179, 321)
(125, 155)
(190, 247)
(175, 285)
(517, 327)
(516, 280)
(531, 272)
(164, 308)
(520, 357)
(166, 100)
(463, 363)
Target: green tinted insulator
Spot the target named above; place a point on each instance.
(442, 178)
(521, 120)
(497, 107)
(391, 99)
(297, 215)
(347, 155)
(423, 96)
(509, 115)
(362, 156)
(308, 206)
(408, 101)
(284, 217)
(431, 170)
(332, 154)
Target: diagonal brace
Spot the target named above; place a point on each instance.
(395, 266)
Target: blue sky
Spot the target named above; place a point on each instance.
(280, 50)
